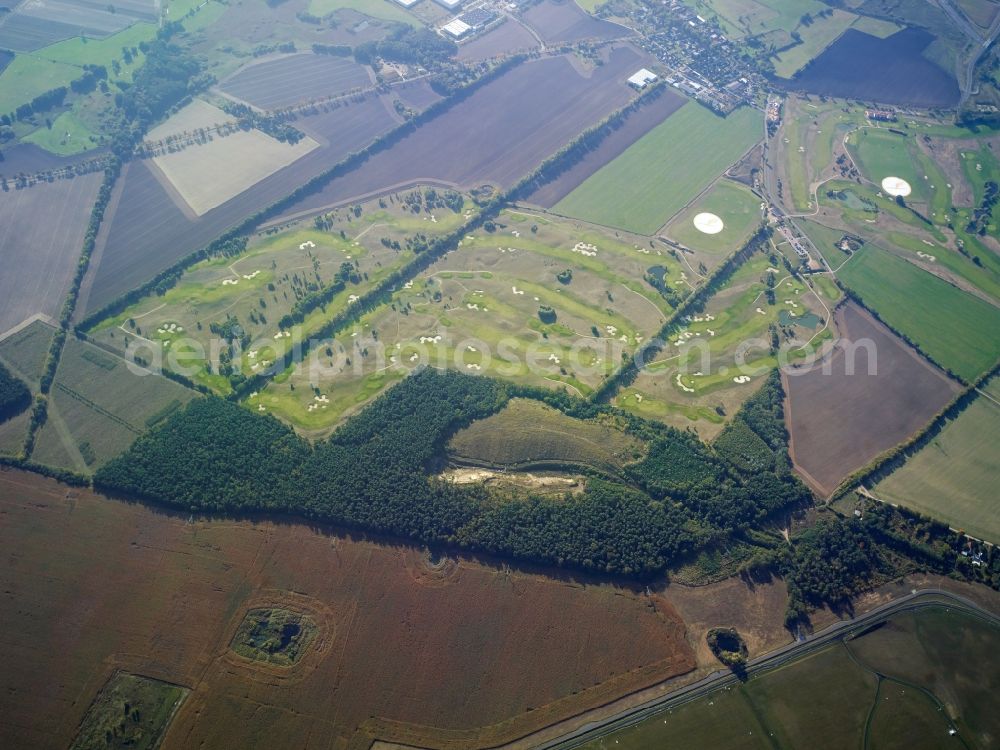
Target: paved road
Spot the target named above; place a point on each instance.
(723, 678)
(975, 36)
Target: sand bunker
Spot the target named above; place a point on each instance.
(895, 186)
(708, 223)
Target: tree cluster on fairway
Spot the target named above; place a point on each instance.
(14, 395)
(374, 473)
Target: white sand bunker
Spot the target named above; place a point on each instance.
(708, 223)
(895, 186)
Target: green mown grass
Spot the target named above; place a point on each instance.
(956, 330)
(664, 170)
(527, 432)
(739, 210)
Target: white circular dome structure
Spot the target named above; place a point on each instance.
(708, 223)
(896, 186)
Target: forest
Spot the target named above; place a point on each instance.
(14, 395)
(375, 473)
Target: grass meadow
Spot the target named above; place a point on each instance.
(664, 170)
(865, 692)
(956, 330)
(98, 407)
(953, 477)
(740, 212)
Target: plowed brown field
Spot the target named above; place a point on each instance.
(452, 654)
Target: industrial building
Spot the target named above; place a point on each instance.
(642, 78)
(456, 28)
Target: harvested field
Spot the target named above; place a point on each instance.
(496, 135)
(892, 70)
(635, 127)
(416, 94)
(197, 115)
(558, 21)
(529, 433)
(207, 175)
(30, 159)
(409, 649)
(839, 421)
(665, 169)
(280, 83)
(41, 237)
(144, 230)
(953, 477)
(505, 39)
(99, 406)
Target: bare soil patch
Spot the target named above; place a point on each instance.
(41, 237)
(497, 135)
(417, 650)
(839, 421)
(635, 127)
(280, 83)
(564, 21)
(505, 39)
(145, 232)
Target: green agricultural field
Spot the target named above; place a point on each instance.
(958, 331)
(98, 406)
(130, 712)
(665, 170)
(243, 299)
(538, 301)
(816, 37)
(953, 477)
(696, 381)
(24, 354)
(528, 433)
(929, 670)
(31, 74)
(753, 17)
(740, 212)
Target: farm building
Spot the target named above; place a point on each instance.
(641, 78)
(450, 4)
(478, 18)
(407, 3)
(456, 28)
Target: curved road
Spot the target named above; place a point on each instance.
(838, 631)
